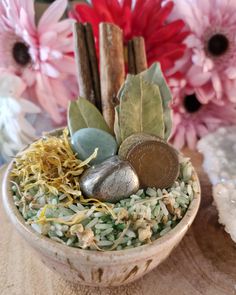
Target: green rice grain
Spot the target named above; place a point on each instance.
(152, 212)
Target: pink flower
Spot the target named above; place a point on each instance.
(193, 119)
(39, 54)
(210, 61)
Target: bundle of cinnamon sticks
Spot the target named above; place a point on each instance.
(102, 89)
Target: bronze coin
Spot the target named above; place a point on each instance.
(156, 163)
(134, 139)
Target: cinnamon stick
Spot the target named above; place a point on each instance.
(131, 58)
(93, 64)
(83, 67)
(137, 60)
(112, 69)
(140, 54)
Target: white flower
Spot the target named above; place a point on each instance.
(15, 129)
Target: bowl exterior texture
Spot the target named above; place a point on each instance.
(111, 268)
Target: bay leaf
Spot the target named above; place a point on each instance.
(154, 75)
(140, 108)
(83, 114)
(119, 94)
(117, 125)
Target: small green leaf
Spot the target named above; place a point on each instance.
(154, 75)
(83, 114)
(140, 108)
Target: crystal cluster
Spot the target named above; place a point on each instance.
(219, 150)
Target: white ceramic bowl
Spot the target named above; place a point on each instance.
(111, 268)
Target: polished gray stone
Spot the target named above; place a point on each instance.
(110, 181)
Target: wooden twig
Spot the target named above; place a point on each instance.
(140, 54)
(93, 64)
(83, 66)
(131, 58)
(112, 69)
(137, 60)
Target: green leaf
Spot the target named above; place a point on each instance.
(140, 108)
(117, 125)
(154, 75)
(83, 114)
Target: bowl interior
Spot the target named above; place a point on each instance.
(48, 244)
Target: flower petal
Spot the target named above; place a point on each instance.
(29, 107)
(65, 65)
(26, 22)
(216, 82)
(202, 130)
(11, 85)
(196, 77)
(26, 128)
(231, 72)
(191, 137)
(230, 89)
(28, 6)
(45, 97)
(49, 70)
(205, 93)
(179, 138)
(52, 15)
(60, 92)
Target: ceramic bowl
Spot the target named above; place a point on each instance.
(94, 268)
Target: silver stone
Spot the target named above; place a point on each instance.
(110, 181)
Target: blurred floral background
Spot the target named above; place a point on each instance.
(194, 43)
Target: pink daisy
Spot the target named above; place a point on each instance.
(210, 61)
(192, 119)
(39, 54)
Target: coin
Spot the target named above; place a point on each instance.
(155, 162)
(134, 139)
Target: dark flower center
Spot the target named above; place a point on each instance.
(191, 103)
(218, 44)
(21, 54)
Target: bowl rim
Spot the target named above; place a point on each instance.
(41, 241)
